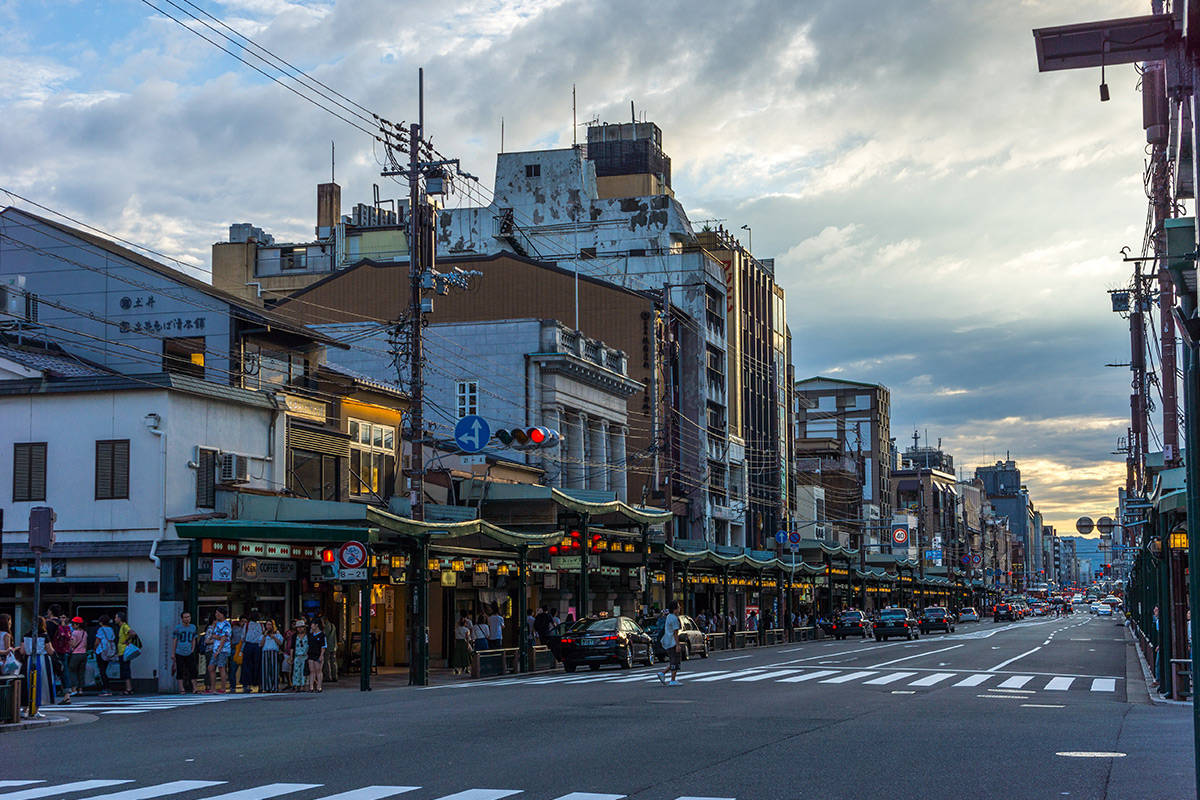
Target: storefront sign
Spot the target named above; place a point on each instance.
(221, 547)
(481, 580)
(222, 570)
(566, 562)
(254, 570)
(549, 580)
(304, 408)
(449, 578)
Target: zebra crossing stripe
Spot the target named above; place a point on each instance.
(1104, 685)
(850, 676)
(481, 794)
(889, 678)
(47, 791)
(371, 793)
(692, 675)
(1015, 682)
(265, 791)
(590, 796)
(930, 680)
(728, 675)
(974, 680)
(808, 677)
(1059, 684)
(158, 790)
(767, 675)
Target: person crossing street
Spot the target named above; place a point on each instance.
(670, 643)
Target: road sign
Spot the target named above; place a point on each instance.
(352, 574)
(781, 537)
(352, 555)
(966, 559)
(472, 432)
(900, 534)
(794, 537)
(976, 559)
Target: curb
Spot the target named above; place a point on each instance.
(1147, 677)
(32, 724)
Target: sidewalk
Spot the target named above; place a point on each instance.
(33, 724)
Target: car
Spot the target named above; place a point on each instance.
(596, 641)
(692, 641)
(936, 618)
(1104, 610)
(968, 614)
(851, 623)
(1112, 601)
(896, 622)
(1004, 611)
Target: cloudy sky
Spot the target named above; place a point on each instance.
(946, 220)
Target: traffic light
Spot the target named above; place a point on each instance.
(328, 564)
(594, 546)
(528, 438)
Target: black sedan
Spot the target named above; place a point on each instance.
(937, 618)
(851, 623)
(896, 622)
(605, 640)
(692, 641)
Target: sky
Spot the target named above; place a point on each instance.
(946, 220)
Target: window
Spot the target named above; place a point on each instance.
(372, 460)
(533, 170)
(206, 479)
(314, 475)
(29, 472)
(184, 355)
(112, 469)
(466, 397)
(291, 258)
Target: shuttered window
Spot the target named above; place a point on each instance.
(29, 471)
(112, 469)
(206, 482)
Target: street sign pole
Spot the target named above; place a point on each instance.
(364, 683)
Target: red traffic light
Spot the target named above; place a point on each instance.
(328, 555)
(537, 435)
(553, 549)
(596, 537)
(574, 534)
(574, 545)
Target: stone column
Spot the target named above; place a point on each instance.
(576, 450)
(616, 455)
(598, 469)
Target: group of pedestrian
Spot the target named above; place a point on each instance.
(255, 652)
(486, 632)
(53, 655)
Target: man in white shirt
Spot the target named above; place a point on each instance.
(495, 628)
(670, 643)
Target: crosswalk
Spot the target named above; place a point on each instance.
(913, 678)
(124, 789)
(142, 704)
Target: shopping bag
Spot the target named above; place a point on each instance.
(11, 665)
(132, 651)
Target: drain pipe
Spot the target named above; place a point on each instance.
(153, 423)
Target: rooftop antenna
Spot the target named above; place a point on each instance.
(574, 121)
(332, 161)
(632, 113)
(502, 134)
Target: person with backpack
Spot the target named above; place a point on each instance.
(670, 643)
(129, 646)
(60, 640)
(106, 652)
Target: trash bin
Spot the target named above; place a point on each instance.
(10, 700)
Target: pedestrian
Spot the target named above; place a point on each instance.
(316, 653)
(76, 656)
(530, 632)
(479, 633)
(289, 651)
(670, 643)
(217, 639)
(299, 655)
(183, 654)
(106, 652)
(495, 625)
(461, 656)
(127, 640)
(58, 630)
(38, 651)
(10, 662)
(555, 621)
(331, 649)
(252, 641)
(272, 648)
(237, 644)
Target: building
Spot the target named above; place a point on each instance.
(857, 416)
(925, 456)
(931, 495)
(1002, 482)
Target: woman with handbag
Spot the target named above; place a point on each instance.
(299, 655)
(10, 664)
(39, 652)
(129, 647)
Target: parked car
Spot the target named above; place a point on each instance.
(691, 639)
(968, 614)
(851, 623)
(936, 618)
(1004, 611)
(896, 622)
(605, 640)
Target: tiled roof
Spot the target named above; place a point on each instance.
(57, 366)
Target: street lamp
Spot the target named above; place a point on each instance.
(749, 238)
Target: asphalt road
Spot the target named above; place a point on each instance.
(982, 713)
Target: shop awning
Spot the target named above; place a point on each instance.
(411, 528)
(714, 558)
(271, 531)
(640, 514)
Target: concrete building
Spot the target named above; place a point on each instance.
(1002, 482)
(857, 417)
(932, 495)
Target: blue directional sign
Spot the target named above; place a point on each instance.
(472, 432)
(781, 537)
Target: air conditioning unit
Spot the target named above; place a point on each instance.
(233, 469)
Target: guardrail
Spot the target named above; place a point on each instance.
(506, 660)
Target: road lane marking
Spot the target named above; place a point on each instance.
(47, 791)
(690, 797)
(157, 790)
(930, 680)
(902, 691)
(481, 794)
(883, 680)
(1040, 705)
(589, 796)
(1004, 664)
(973, 680)
(850, 676)
(710, 672)
(725, 675)
(1013, 691)
(265, 791)
(1088, 754)
(766, 675)
(915, 655)
(371, 793)
(1015, 682)
(730, 658)
(821, 673)
(1059, 684)
(1002, 696)
(1104, 685)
